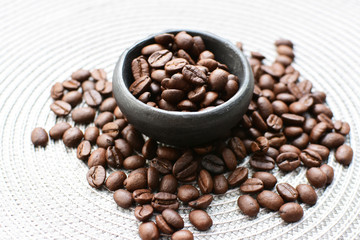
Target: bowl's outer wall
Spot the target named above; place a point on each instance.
(186, 128)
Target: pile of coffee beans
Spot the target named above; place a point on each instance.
(287, 126)
(177, 73)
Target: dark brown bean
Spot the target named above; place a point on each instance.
(39, 137)
(104, 141)
(57, 131)
(184, 41)
(321, 108)
(288, 161)
(96, 176)
(124, 147)
(92, 98)
(291, 212)
(134, 162)
(329, 171)
(91, 134)
(140, 67)
(289, 148)
(115, 180)
(123, 198)
(238, 147)
(182, 54)
(274, 122)
(200, 219)
(148, 231)
(60, 108)
(83, 150)
(182, 235)
(205, 182)
(344, 154)
(150, 49)
(293, 131)
(168, 184)
(136, 180)
(287, 192)
(261, 144)
(97, 157)
(238, 176)
(217, 79)
(213, 164)
(202, 202)
(87, 85)
(143, 212)
(268, 179)
(153, 178)
(142, 196)
(72, 137)
(163, 226)
(307, 194)
(292, 119)
(260, 161)
(309, 124)
(276, 140)
(57, 91)
(140, 85)
(301, 141)
(320, 149)
(108, 105)
(252, 185)
(83, 115)
(175, 65)
(270, 200)
(279, 107)
(81, 75)
(193, 75)
(316, 177)
(159, 58)
(173, 218)
(162, 201)
(114, 157)
(163, 166)
(248, 205)
(332, 140)
(73, 98)
(98, 74)
(310, 158)
(103, 118)
(220, 184)
(258, 122)
(187, 193)
(342, 127)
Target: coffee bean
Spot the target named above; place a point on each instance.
(182, 54)
(264, 107)
(217, 79)
(92, 98)
(153, 178)
(140, 86)
(291, 212)
(148, 231)
(205, 182)
(268, 179)
(108, 105)
(288, 161)
(258, 122)
(238, 176)
(321, 108)
(168, 153)
(135, 181)
(332, 140)
(252, 185)
(123, 198)
(114, 157)
(184, 40)
(293, 131)
(60, 108)
(324, 118)
(210, 64)
(91, 134)
(97, 157)
(96, 176)
(71, 84)
(83, 115)
(260, 161)
(274, 122)
(115, 180)
(292, 119)
(134, 138)
(194, 75)
(159, 58)
(87, 86)
(248, 205)
(163, 200)
(284, 60)
(261, 144)
(206, 55)
(187, 193)
(162, 165)
(149, 149)
(168, 184)
(176, 81)
(81, 75)
(318, 131)
(285, 42)
(142, 196)
(103, 118)
(320, 149)
(200, 219)
(172, 96)
(344, 154)
(39, 137)
(329, 171)
(210, 98)
(342, 127)
(266, 81)
(238, 147)
(270, 200)
(163, 226)
(287, 192)
(104, 87)
(73, 98)
(104, 141)
(301, 141)
(213, 164)
(57, 91)
(185, 167)
(276, 140)
(276, 69)
(175, 65)
(173, 218)
(124, 147)
(117, 113)
(316, 177)
(289, 148)
(220, 184)
(111, 129)
(307, 194)
(279, 107)
(272, 152)
(143, 212)
(198, 46)
(57, 131)
(310, 158)
(134, 162)
(83, 150)
(182, 235)
(290, 77)
(309, 124)
(202, 202)
(72, 137)
(140, 67)
(150, 49)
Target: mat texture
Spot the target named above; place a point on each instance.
(44, 193)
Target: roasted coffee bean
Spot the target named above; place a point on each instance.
(103, 118)
(168, 184)
(187, 193)
(307, 194)
(163, 166)
(184, 40)
(206, 55)
(122, 123)
(158, 75)
(261, 144)
(173, 218)
(60, 108)
(205, 182)
(246, 122)
(213, 164)
(290, 77)
(114, 157)
(135, 139)
(108, 105)
(39, 137)
(268, 179)
(266, 81)
(285, 50)
(310, 158)
(254, 133)
(321, 108)
(202, 150)
(260, 161)
(332, 140)
(264, 107)
(182, 54)
(150, 49)
(163, 226)
(92, 98)
(342, 127)
(105, 141)
(272, 152)
(111, 129)
(97, 157)
(329, 171)
(153, 178)
(143, 212)
(210, 64)
(135, 181)
(148, 231)
(324, 118)
(194, 75)
(252, 185)
(200, 219)
(123, 198)
(238, 176)
(134, 162)
(98, 74)
(318, 131)
(292, 119)
(316, 177)
(284, 60)
(198, 94)
(159, 58)
(220, 184)
(73, 98)
(140, 67)
(168, 153)
(83, 150)
(210, 98)
(173, 96)
(344, 154)
(198, 46)
(115, 180)
(291, 212)
(292, 131)
(285, 42)
(81, 75)
(140, 86)
(276, 140)
(176, 81)
(270, 200)
(258, 122)
(57, 131)
(185, 167)
(202, 202)
(96, 176)
(149, 149)
(288, 161)
(301, 141)
(309, 124)
(187, 105)
(117, 113)
(142, 196)
(182, 235)
(103, 87)
(175, 65)
(319, 97)
(320, 149)
(248, 205)
(124, 147)
(238, 147)
(166, 106)
(57, 91)
(289, 148)
(83, 115)
(91, 134)
(276, 69)
(279, 107)
(87, 86)
(217, 79)
(274, 122)
(163, 200)
(267, 93)
(287, 192)
(72, 137)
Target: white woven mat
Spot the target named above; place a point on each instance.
(44, 193)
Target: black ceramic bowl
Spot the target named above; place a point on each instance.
(185, 128)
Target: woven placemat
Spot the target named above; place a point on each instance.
(44, 193)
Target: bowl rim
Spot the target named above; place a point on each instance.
(248, 77)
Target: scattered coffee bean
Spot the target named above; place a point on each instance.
(83, 150)
(238, 176)
(202, 202)
(307, 194)
(113, 157)
(168, 184)
(104, 141)
(57, 131)
(60, 108)
(287, 192)
(270, 200)
(187, 193)
(182, 235)
(291, 212)
(143, 212)
(252, 185)
(344, 154)
(173, 218)
(260, 161)
(220, 184)
(96, 176)
(248, 205)
(57, 91)
(205, 182)
(115, 180)
(200, 219)
(39, 137)
(316, 177)
(135, 181)
(91, 134)
(72, 137)
(268, 179)
(163, 200)
(329, 171)
(310, 158)
(142, 196)
(97, 157)
(83, 115)
(148, 231)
